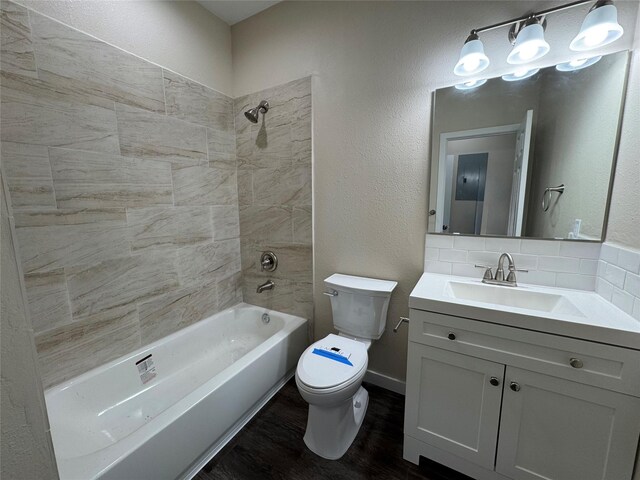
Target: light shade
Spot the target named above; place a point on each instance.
(520, 74)
(471, 84)
(472, 58)
(600, 27)
(530, 45)
(577, 64)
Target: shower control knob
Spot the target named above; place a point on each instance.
(268, 262)
(451, 336)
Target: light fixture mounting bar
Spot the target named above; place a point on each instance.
(530, 15)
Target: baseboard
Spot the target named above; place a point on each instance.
(384, 381)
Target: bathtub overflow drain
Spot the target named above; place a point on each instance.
(266, 318)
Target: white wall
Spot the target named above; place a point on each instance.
(375, 66)
(179, 35)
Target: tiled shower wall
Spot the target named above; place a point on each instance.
(122, 177)
(274, 191)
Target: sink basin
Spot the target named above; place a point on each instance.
(512, 297)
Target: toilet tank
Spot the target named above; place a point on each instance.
(359, 304)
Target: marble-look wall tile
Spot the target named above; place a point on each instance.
(158, 228)
(195, 103)
(221, 142)
(175, 310)
(28, 175)
(226, 222)
(294, 261)
(38, 113)
(195, 185)
(111, 195)
(269, 223)
(16, 48)
(53, 239)
(208, 263)
(275, 196)
(302, 225)
(85, 64)
(229, 291)
(282, 186)
(68, 351)
(118, 282)
(76, 166)
(152, 136)
(48, 299)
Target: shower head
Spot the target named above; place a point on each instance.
(253, 113)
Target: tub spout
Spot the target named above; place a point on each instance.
(268, 285)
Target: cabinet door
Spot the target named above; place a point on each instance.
(452, 404)
(555, 429)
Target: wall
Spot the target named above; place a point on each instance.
(26, 447)
(618, 278)
(123, 180)
(375, 66)
(576, 133)
(624, 216)
(274, 190)
(180, 36)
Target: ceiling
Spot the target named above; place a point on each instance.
(234, 11)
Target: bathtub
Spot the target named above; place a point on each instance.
(165, 410)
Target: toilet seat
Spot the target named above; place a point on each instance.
(332, 364)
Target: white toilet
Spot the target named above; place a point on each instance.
(330, 372)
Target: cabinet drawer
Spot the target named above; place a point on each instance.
(605, 366)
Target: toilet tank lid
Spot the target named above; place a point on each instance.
(368, 286)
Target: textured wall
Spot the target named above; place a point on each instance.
(274, 190)
(26, 449)
(624, 217)
(181, 36)
(122, 176)
(375, 66)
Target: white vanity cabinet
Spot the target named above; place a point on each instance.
(499, 402)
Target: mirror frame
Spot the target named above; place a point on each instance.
(431, 207)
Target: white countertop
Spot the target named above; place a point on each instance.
(600, 321)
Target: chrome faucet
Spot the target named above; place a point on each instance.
(268, 285)
(498, 278)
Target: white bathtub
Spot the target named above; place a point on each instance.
(210, 379)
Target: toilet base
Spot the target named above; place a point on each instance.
(332, 430)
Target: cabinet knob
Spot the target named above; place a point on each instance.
(494, 381)
(451, 336)
(515, 386)
(575, 362)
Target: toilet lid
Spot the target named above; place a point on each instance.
(332, 361)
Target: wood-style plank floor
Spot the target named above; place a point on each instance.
(271, 446)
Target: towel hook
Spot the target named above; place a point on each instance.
(546, 196)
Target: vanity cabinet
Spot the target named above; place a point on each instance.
(499, 402)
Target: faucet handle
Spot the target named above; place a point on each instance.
(488, 273)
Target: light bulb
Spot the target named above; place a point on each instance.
(595, 36)
(471, 63)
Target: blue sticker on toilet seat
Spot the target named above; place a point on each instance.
(333, 356)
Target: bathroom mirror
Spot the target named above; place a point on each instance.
(528, 156)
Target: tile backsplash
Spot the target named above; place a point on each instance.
(611, 271)
(549, 263)
(618, 278)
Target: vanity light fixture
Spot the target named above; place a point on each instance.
(578, 64)
(471, 84)
(528, 41)
(600, 27)
(472, 58)
(520, 74)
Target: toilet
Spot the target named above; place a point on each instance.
(330, 372)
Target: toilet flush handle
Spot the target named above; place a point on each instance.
(402, 319)
(332, 293)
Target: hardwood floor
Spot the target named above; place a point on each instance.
(271, 446)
